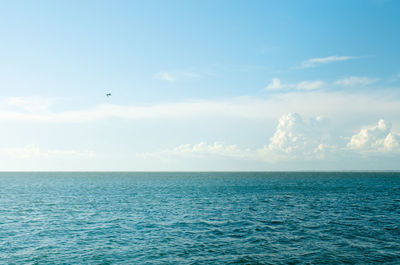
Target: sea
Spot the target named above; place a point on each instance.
(200, 218)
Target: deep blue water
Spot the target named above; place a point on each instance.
(200, 218)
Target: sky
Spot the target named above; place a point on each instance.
(199, 85)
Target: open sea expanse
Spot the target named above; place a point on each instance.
(200, 218)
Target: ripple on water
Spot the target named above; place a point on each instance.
(199, 218)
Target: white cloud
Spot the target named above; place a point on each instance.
(355, 80)
(203, 150)
(289, 134)
(246, 108)
(217, 148)
(295, 137)
(325, 60)
(276, 84)
(322, 150)
(166, 76)
(29, 104)
(296, 141)
(176, 75)
(343, 106)
(309, 85)
(376, 138)
(32, 151)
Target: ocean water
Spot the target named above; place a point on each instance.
(200, 218)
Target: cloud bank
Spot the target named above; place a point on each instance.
(296, 138)
(250, 108)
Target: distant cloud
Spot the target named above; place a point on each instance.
(276, 85)
(355, 80)
(176, 75)
(376, 138)
(29, 104)
(295, 137)
(289, 134)
(338, 104)
(166, 76)
(309, 85)
(204, 150)
(325, 60)
(217, 148)
(29, 151)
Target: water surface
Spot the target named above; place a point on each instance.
(200, 218)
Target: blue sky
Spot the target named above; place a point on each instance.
(200, 85)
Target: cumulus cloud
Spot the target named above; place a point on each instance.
(295, 136)
(325, 60)
(355, 80)
(376, 138)
(289, 134)
(295, 139)
(276, 84)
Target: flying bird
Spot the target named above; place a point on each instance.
(108, 94)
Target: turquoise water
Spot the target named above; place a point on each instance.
(199, 218)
